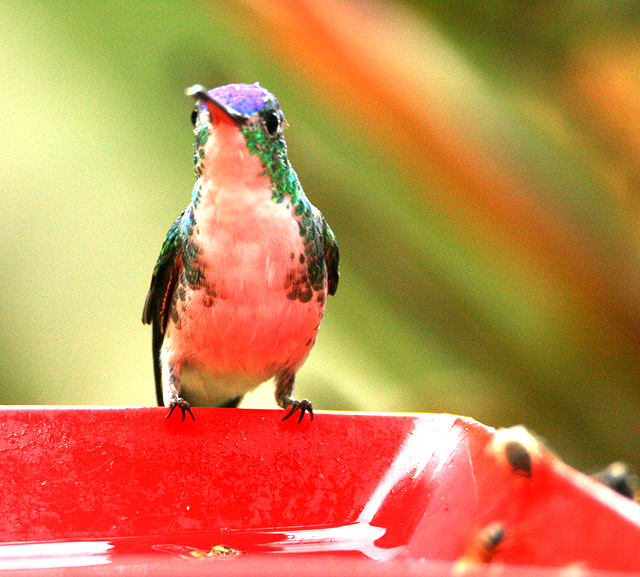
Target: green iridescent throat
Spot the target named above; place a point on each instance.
(272, 153)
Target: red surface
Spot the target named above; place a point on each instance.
(128, 490)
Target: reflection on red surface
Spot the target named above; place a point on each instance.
(241, 491)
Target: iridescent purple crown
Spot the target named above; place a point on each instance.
(246, 99)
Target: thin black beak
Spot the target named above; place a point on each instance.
(216, 109)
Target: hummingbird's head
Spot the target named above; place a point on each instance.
(237, 118)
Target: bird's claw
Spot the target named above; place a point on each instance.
(183, 405)
(303, 406)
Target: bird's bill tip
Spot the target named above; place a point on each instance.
(196, 91)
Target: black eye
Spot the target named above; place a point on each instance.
(272, 122)
(194, 116)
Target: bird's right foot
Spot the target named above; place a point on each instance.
(183, 405)
(303, 406)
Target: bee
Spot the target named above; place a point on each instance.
(518, 457)
(618, 477)
(481, 549)
(517, 449)
(187, 552)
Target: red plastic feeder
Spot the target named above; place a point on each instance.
(124, 491)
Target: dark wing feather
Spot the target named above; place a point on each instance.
(331, 257)
(163, 283)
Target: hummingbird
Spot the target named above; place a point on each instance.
(239, 289)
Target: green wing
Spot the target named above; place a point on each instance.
(164, 277)
(331, 257)
(163, 282)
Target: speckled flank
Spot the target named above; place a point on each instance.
(297, 285)
(195, 194)
(194, 265)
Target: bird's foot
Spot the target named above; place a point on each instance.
(183, 405)
(303, 406)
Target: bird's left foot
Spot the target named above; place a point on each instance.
(303, 406)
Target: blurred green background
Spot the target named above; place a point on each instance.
(477, 160)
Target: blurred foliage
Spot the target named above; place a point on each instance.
(477, 160)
